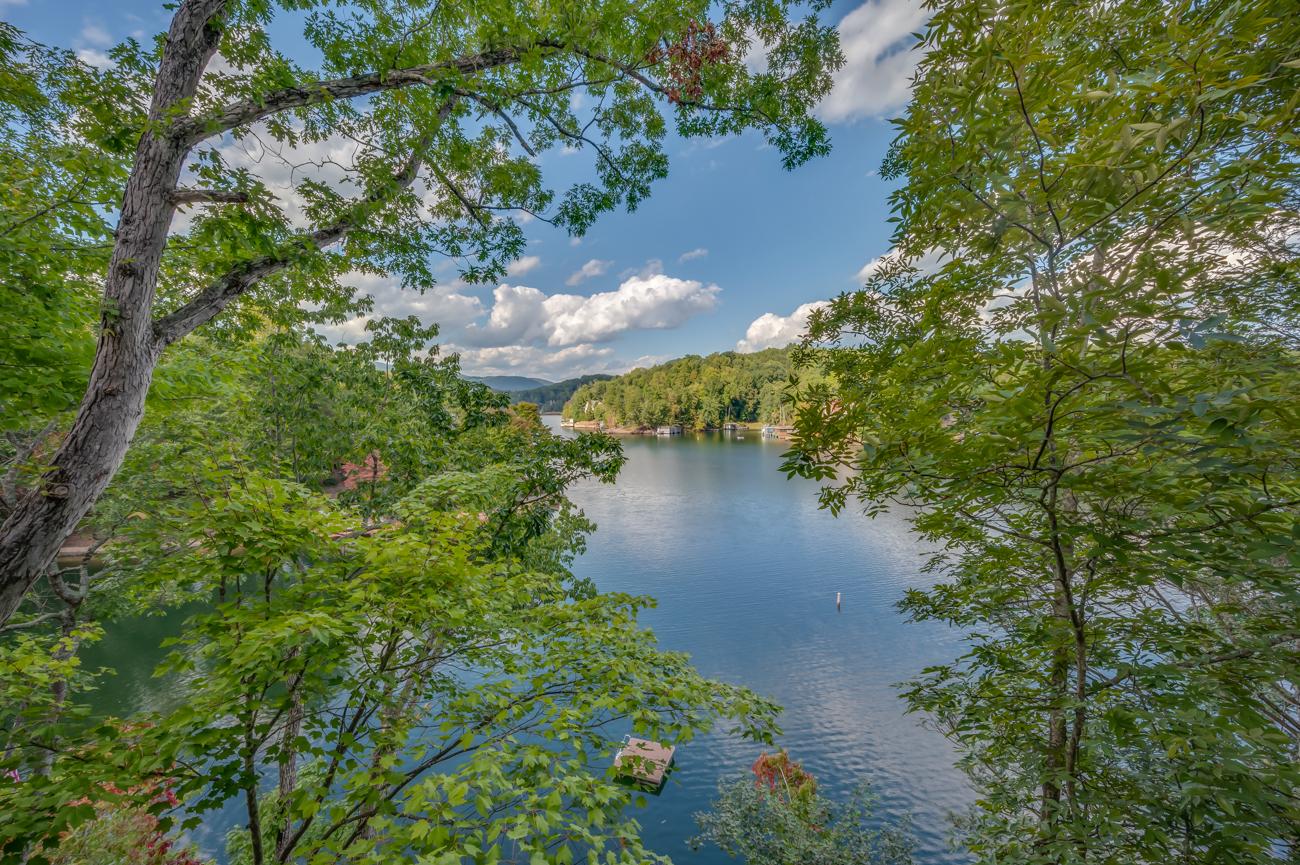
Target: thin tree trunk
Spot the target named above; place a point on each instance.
(289, 761)
(127, 351)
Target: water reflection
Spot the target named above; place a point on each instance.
(745, 567)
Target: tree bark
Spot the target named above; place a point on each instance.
(130, 341)
(127, 350)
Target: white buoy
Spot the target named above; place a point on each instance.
(837, 600)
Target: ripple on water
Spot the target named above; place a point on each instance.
(745, 567)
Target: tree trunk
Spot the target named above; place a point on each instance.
(127, 351)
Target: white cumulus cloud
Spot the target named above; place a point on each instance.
(442, 304)
(770, 330)
(522, 315)
(534, 361)
(930, 262)
(593, 267)
(879, 60)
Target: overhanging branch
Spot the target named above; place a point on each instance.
(192, 130)
(221, 292)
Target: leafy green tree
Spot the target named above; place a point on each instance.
(366, 677)
(1091, 405)
(450, 104)
(777, 817)
(52, 237)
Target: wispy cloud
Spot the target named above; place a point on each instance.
(690, 255)
(593, 267)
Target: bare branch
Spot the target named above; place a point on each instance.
(472, 209)
(30, 623)
(499, 112)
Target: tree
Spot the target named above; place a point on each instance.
(777, 817)
(449, 105)
(1090, 402)
(404, 668)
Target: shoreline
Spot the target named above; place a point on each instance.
(784, 432)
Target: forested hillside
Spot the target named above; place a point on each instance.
(696, 392)
(508, 383)
(552, 397)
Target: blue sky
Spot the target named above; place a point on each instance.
(728, 253)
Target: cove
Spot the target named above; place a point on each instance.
(745, 567)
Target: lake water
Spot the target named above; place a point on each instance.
(745, 568)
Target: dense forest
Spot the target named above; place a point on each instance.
(696, 392)
(552, 397)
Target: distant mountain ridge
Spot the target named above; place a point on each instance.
(509, 383)
(552, 397)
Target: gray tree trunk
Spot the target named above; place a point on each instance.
(131, 340)
(128, 350)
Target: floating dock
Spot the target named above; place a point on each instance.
(644, 761)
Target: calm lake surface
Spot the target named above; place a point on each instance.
(745, 568)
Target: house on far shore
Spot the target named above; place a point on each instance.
(672, 430)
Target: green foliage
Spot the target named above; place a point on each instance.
(413, 662)
(696, 392)
(53, 235)
(762, 825)
(1091, 407)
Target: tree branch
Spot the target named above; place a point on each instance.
(471, 209)
(500, 112)
(184, 196)
(218, 294)
(192, 130)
